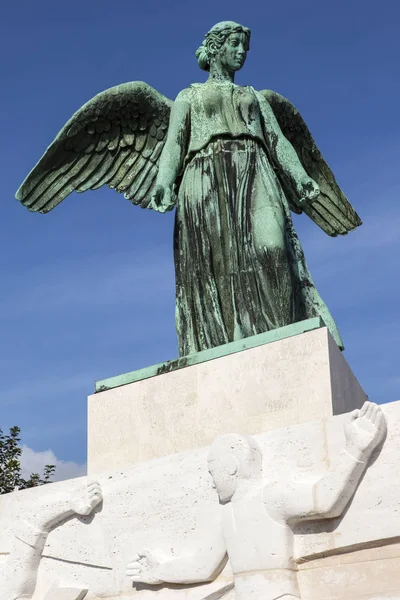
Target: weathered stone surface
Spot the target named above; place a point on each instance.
(280, 384)
(56, 593)
(259, 516)
(211, 354)
(18, 576)
(169, 504)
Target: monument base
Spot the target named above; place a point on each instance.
(278, 379)
(169, 506)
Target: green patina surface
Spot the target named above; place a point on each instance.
(211, 354)
(235, 162)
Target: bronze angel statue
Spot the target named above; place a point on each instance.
(234, 162)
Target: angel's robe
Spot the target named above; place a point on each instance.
(221, 110)
(240, 268)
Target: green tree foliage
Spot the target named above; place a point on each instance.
(10, 465)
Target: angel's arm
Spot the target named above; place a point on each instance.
(174, 151)
(284, 154)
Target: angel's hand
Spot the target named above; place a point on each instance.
(162, 199)
(308, 190)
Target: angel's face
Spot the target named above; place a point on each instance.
(233, 53)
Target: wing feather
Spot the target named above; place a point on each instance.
(320, 214)
(132, 173)
(65, 184)
(140, 140)
(96, 173)
(123, 169)
(157, 152)
(115, 139)
(47, 189)
(331, 210)
(150, 145)
(39, 184)
(113, 169)
(134, 192)
(146, 189)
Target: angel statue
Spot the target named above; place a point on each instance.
(234, 162)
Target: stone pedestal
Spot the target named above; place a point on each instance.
(277, 379)
(149, 433)
(169, 504)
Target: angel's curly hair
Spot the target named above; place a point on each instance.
(215, 39)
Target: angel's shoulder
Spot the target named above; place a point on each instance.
(194, 90)
(185, 95)
(259, 94)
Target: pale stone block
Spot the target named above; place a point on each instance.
(259, 513)
(169, 504)
(57, 593)
(279, 384)
(374, 512)
(370, 574)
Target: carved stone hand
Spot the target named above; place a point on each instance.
(144, 567)
(85, 502)
(365, 430)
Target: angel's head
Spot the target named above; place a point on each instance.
(227, 43)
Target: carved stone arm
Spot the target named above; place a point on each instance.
(328, 497)
(200, 568)
(18, 578)
(204, 565)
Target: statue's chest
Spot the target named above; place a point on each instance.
(255, 541)
(230, 103)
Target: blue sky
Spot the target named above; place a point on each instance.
(87, 291)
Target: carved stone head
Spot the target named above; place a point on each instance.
(226, 42)
(232, 458)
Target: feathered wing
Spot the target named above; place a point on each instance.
(115, 139)
(330, 210)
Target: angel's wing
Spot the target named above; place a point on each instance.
(330, 210)
(115, 139)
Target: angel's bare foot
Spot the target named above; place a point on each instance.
(86, 500)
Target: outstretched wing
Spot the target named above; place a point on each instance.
(115, 139)
(330, 210)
